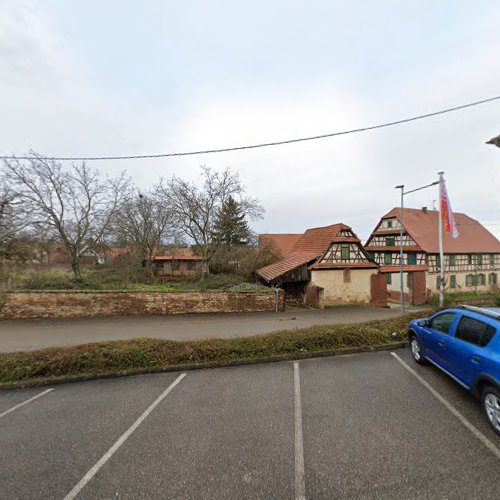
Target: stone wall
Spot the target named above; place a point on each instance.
(73, 304)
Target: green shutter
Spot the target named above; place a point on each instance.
(344, 252)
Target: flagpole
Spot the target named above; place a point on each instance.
(440, 229)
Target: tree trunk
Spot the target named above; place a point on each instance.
(205, 270)
(75, 267)
(149, 268)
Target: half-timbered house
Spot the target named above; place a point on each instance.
(326, 266)
(471, 261)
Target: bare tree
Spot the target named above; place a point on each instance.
(144, 221)
(75, 203)
(196, 208)
(12, 217)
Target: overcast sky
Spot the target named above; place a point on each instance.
(129, 77)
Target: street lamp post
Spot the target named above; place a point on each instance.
(401, 263)
(495, 141)
(401, 230)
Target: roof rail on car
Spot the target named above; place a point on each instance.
(479, 310)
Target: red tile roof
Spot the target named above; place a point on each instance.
(406, 268)
(177, 253)
(345, 265)
(311, 245)
(422, 225)
(289, 263)
(318, 239)
(283, 242)
(113, 253)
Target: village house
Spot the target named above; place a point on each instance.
(324, 266)
(471, 261)
(177, 261)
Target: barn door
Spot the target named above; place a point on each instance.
(378, 286)
(418, 288)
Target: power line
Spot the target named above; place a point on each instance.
(261, 145)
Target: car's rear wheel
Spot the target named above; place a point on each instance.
(416, 350)
(490, 397)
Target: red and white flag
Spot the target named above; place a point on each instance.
(447, 213)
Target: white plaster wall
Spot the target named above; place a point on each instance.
(358, 290)
(396, 284)
(431, 282)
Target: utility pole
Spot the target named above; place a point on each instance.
(440, 229)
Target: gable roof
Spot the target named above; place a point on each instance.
(311, 245)
(283, 242)
(422, 226)
(177, 253)
(292, 261)
(318, 239)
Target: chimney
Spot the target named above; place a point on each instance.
(424, 209)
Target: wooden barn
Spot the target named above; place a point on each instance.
(327, 266)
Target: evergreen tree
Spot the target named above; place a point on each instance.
(231, 228)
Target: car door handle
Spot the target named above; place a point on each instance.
(441, 343)
(475, 359)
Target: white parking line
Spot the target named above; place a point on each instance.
(300, 486)
(6, 412)
(452, 409)
(95, 469)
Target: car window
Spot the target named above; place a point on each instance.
(474, 331)
(442, 322)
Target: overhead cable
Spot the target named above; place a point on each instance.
(256, 146)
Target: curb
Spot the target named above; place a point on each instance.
(209, 365)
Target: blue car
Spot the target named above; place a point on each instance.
(464, 342)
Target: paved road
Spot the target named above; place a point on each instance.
(23, 335)
(361, 426)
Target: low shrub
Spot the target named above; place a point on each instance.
(433, 302)
(53, 280)
(131, 278)
(148, 353)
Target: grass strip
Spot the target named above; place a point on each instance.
(129, 356)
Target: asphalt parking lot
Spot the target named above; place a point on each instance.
(357, 426)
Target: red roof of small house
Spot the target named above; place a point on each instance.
(113, 253)
(422, 226)
(283, 242)
(311, 245)
(177, 253)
